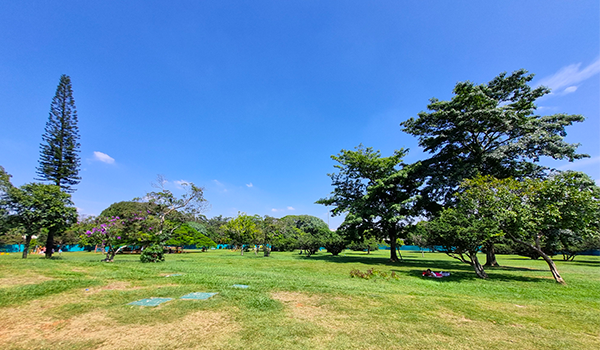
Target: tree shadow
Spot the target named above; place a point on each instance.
(511, 268)
(459, 271)
(578, 260)
(582, 262)
(459, 276)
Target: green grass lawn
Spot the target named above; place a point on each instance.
(294, 302)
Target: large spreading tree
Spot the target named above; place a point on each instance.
(59, 159)
(488, 129)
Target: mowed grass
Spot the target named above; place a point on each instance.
(294, 302)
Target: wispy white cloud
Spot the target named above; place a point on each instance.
(249, 185)
(103, 157)
(221, 186)
(580, 163)
(181, 183)
(566, 79)
(275, 210)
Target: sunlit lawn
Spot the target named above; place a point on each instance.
(294, 302)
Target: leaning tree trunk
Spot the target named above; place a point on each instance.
(111, 252)
(400, 253)
(26, 246)
(477, 266)
(552, 266)
(490, 255)
(546, 258)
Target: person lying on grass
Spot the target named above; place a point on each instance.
(429, 273)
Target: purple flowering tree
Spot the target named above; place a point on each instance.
(117, 232)
(109, 233)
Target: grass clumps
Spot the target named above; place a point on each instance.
(373, 273)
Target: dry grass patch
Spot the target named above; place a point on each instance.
(118, 285)
(199, 330)
(312, 308)
(22, 280)
(301, 305)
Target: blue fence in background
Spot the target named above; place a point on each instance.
(16, 248)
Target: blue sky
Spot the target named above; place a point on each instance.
(249, 99)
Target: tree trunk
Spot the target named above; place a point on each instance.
(490, 255)
(26, 246)
(49, 244)
(477, 266)
(422, 253)
(399, 253)
(393, 256)
(548, 259)
(110, 255)
(552, 266)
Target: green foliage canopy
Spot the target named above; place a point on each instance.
(488, 129)
(187, 234)
(532, 211)
(33, 207)
(376, 193)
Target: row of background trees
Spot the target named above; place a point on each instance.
(485, 145)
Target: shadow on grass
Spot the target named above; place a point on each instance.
(511, 268)
(583, 262)
(459, 270)
(470, 275)
(579, 260)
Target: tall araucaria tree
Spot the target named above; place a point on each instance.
(488, 129)
(59, 158)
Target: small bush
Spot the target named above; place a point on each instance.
(153, 253)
